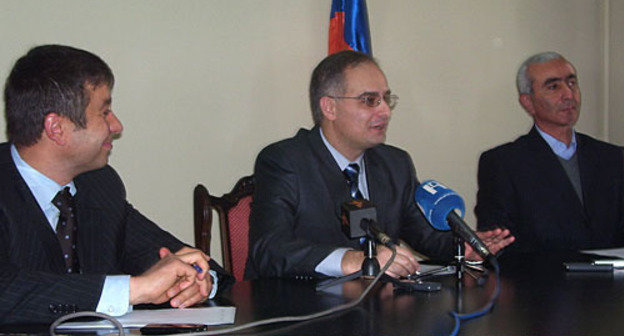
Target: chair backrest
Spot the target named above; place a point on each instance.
(233, 210)
(202, 218)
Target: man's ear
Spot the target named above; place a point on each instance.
(328, 107)
(54, 128)
(527, 103)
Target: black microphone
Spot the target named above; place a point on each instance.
(468, 235)
(371, 228)
(438, 203)
(359, 219)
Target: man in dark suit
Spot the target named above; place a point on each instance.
(300, 182)
(69, 240)
(554, 188)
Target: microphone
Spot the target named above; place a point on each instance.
(439, 205)
(359, 219)
(369, 226)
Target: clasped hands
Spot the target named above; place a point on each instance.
(173, 278)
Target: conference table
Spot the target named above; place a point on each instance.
(538, 297)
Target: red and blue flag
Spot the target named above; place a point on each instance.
(348, 27)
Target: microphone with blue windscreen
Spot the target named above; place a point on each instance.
(436, 201)
(440, 205)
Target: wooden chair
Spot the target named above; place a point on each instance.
(233, 210)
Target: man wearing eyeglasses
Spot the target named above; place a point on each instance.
(301, 183)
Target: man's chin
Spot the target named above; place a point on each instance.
(377, 141)
(102, 161)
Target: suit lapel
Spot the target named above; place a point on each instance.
(329, 170)
(96, 245)
(376, 188)
(32, 215)
(85, 233)
(587, 171)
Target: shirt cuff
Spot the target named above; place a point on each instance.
(215, 284)
(115, 298)
(332, 264)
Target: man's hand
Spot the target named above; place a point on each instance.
(495, 240)
(199, 291)
(174, 279)
(404, 263)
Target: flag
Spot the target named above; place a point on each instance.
(348, 27)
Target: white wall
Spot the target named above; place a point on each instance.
(615, 76)
(202, 86)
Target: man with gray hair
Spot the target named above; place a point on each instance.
(554, 188)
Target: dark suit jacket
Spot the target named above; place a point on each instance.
(295, 216)
(112, 238)
(522, 185)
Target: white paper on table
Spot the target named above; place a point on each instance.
(140, 318)
(612, 252)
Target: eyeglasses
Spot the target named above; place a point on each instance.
(373, 100)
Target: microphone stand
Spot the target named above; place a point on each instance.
(370, 267)
(460, 258)
(461, 267)
(461, 264)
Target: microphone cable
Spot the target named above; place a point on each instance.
(72, 316)
(488, 306)
(333, 310)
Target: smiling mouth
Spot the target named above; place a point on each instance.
(108, 144)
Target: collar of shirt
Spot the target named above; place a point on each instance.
(559, 147)
(343, 162)
(42, 187)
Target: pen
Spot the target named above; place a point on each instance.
(197, 268)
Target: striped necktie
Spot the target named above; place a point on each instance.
(351, 173)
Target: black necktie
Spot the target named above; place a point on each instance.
(66, 228)
(351, 173)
